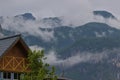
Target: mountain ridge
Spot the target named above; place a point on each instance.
(91, 40)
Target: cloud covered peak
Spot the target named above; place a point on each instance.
(26, 16)
(104, 14)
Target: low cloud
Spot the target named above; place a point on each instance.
(1, 35)
(35, 27)
(115, 23)
(53, 58)
(73, 12)
(83, 57)
(35, 47)
(31, 27)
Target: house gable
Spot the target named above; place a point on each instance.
(14, 56)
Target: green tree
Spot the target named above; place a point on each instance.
(38, 69)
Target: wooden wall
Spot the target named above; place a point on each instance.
(15, 60)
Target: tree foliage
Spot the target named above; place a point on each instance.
(38, 69)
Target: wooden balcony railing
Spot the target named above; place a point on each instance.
(14, 64)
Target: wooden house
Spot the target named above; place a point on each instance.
(13, 57)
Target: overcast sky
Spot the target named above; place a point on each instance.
(47, 8)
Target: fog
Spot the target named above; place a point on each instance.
(32, 27)
(80, 57)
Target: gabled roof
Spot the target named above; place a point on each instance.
(7, 42)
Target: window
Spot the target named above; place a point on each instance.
(17, 76)
(6, 75)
